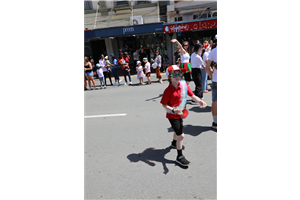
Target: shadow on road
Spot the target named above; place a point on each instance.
(154, 98)
(152, 154)
(193, 130)
(197, 109)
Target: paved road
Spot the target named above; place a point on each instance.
(128, 157)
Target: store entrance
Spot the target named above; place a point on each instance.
(98, 48)
(149, 42)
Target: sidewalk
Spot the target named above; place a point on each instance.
(120, 77)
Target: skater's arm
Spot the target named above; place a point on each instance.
(198, 100)
(177, 111)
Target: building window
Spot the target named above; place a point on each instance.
(204, 15)
(142, 2)
(86, 4)
(178, 19)
(122, 3)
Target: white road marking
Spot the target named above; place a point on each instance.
(112, 115)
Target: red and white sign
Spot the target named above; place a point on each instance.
(191, 26)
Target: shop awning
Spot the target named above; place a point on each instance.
(192, 25)
(125, 30)
(89, 34)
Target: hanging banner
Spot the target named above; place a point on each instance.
(190, 26)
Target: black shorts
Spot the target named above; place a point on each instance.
(177, 125)
(187, 77)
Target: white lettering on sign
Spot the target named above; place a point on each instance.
(126, 30)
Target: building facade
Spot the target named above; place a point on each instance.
(115, 26)
(190, 21)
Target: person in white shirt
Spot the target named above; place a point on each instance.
(185, 65)
(204, 56)
(197, 63)
(212, 61)
(148, 70)
(104, 67)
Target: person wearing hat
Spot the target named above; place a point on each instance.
(174, 101)
(147, 69)
(140, 73)
(104, 68)
(108, 73)
(114, 69)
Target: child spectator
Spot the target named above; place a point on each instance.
(140, 73)
(148, 70)
(100, 75)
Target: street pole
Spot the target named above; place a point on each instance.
(131, 12)
(96, 16)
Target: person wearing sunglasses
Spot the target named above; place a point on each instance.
(185, 65)
(158, 62)
(174, 101)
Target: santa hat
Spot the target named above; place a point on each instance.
(173, 68)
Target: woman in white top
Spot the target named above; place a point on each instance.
(185, 65)
(104, 67)
(158, 62)
(197, 63)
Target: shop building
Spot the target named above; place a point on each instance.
(114, 26)
(128, 25)
(190, 21)
(126, 39)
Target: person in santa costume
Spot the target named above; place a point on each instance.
(174, 101)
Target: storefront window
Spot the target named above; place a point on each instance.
(149, 43)
(87, 49)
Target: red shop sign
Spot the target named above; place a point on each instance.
(200, 25)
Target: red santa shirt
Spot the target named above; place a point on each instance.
(172, 97)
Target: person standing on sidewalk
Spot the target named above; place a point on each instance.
(204, 56)
(100, 75)
(89, 73)
(148, 70)
(106, 73)
(114, 68)
(185, 65)
(157, 69)
(197, 62)
(136, 55)
(174, 101)
(212, 61)
(143, 55)
(176, 55)
(140, 73)
(125, 68)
